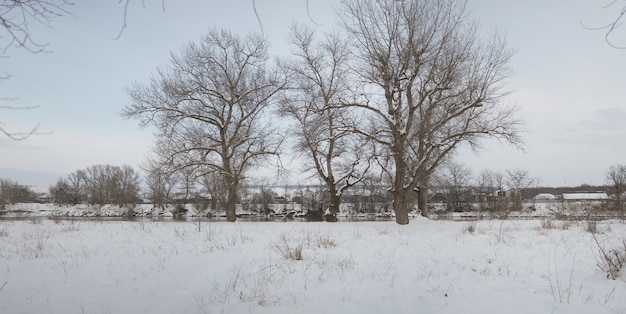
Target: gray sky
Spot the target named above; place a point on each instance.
(566, 80)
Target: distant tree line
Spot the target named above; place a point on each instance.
(12, 192)
(497, 190)
(454, 185)
(98, 185)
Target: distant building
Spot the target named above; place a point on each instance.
(585, 197)
(544, 197)
(475, 195)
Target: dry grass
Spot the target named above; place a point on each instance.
(470, 227)
(319, 240)
(289, 251)
(548, 224)
(592, 226)
(611, 261)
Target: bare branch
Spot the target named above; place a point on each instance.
(19, 136)
(16, 17)
(610, 27)
(258, 18)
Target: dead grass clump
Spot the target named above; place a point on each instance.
(592, 226)
(547, 224)
(566, 224)
(71, 226)
(4, 232)
(325, 242)
(470, 227)
(288, 251)
(611, 261)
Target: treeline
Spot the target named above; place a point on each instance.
(461, 189)
(12, 192)
(98, 185)
(456, 186)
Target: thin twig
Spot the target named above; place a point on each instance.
(256, 13)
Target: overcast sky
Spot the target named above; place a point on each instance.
(567, 82)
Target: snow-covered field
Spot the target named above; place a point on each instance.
(81, 266)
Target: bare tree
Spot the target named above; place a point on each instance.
(61, 193)
(518, 180)
(263, 198)
(491, 183)
(209, 108)
(429, 83)
(76, 183)
(455, 177)
(213, 184)
(616, 178)
(324, 137)
(127, 186)
(160, 185)
(12, 192)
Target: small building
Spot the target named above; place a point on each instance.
(544, 197)
(585, 197)
(475, 195)
(438, 197)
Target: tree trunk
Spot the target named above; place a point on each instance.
(335, 200)
(400, 207)
(399, 192)
(231, 202)
(618, 197)
(333, 206)
(422, 199)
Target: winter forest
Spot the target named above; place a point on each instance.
(387, 216)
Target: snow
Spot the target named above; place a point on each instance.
(504, 266)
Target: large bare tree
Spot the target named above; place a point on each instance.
(429, 84)
(319, 77)
(209, 107)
